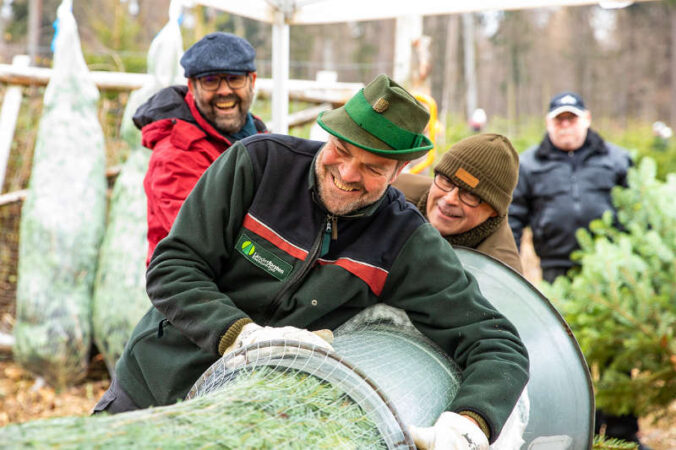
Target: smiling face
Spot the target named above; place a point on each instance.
(568, 131)
(225, 108)
(349, 178)
(448, 214)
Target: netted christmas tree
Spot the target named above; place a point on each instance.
(284, 394)
(120, 298)
(253, 413)
(62, 220)
(621, 302)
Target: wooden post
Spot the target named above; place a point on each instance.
(6, 342)
(34, 25)
(10, 111)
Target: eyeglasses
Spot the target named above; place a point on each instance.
(213, 82)
(446, 185)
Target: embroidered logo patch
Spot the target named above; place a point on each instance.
(248, 248)
(467, 177)
(263, 258)
(568, 100)
(381, 105)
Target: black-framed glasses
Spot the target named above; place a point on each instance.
(446, 185)
(213, 82)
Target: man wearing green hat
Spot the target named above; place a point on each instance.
(468, 197)
(284, 235)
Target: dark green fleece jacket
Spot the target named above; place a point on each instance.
(253, 243)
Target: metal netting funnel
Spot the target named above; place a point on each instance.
(372, 364)
(560, 388)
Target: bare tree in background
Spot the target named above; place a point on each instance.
(622, 61)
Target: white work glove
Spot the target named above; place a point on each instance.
(450, 432)
(253, 334)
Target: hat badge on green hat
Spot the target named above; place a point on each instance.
(383, 118)
(381, 105)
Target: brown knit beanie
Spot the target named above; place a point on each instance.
(486, 165)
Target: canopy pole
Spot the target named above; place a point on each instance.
(280, 74)
(408, 28)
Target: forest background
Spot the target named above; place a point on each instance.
(623, 63)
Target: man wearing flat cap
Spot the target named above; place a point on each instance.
(188, 127)
(468, 197)
(285, 236)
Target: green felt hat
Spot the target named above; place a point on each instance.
(383, 119)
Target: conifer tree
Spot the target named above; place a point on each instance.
(621, 301)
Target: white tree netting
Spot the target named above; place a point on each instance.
(382, 377)
(120, 297)
(314, 414)
(62, 220)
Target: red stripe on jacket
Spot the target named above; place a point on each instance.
(373, 276)
(256, 226)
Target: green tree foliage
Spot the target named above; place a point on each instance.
(638, 137)
(266, 409)
(603, 443)
(621, 302)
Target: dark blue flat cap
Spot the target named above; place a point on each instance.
(219, 53)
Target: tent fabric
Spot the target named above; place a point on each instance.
(315, 11)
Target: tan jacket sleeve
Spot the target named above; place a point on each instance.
(501, 246)
(413, 186)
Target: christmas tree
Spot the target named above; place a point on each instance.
(621, 301)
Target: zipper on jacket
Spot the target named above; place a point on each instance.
(330, 234)
(329, 230)
(160, 328)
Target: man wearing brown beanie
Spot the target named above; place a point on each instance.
(468, 198)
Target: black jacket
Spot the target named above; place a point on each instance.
(559, 192)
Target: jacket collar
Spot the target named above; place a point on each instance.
(594, 143)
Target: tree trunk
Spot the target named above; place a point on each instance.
(470, 63)
(449, 95)
(673, 66)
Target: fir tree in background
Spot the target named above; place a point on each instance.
(621, 302)
(603, 443)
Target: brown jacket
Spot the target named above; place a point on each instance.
(499, 245)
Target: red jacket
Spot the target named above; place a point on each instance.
(184, 145)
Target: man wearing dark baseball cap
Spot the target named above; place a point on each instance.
(564, 184)
(284, 236)
(188, 127)
(566, 102)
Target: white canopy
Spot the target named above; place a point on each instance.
(282, 13)
(332, 11)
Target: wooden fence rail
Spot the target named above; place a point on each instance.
(326, 94)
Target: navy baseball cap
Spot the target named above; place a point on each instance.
(219, 53)
(566, 102)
